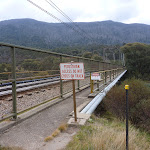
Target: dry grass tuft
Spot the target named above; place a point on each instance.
(56, 132)
(10, 148)
(108, 135)
(63, 127)
(49, 138)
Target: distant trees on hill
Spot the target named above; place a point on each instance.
(137, 57)
(32, 33)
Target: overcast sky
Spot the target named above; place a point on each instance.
(126, 11)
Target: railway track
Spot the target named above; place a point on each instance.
(26, 86)
(22, 86)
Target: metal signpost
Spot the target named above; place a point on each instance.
(127, 108)
(72, 71)
(95, 76)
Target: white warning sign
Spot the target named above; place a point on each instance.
(72, 71)
(95, 76)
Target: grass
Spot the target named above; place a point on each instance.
(104, 134)
(139, 103)
(60, 129)
(63, 127)
(10, 148)
(49, 138)
(55, 133)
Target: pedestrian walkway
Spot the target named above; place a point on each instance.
(30, 134)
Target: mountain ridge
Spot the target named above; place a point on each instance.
(33, 33)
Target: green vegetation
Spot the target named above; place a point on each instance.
(4, 68)
(104, 134)
(139, 103)
(90, 55)
(137, 57)
(48, 63)
(10, 148)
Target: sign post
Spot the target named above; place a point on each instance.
(74, 100)
(72, 71)
(127, 109)
(95, 76)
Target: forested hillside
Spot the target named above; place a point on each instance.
(32, 33)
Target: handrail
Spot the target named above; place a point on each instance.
(49, 52)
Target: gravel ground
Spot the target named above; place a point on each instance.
(32, 98)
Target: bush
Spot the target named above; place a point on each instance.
(139, 102)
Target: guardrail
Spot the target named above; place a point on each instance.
(29, 63)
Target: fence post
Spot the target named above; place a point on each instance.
(99, 73)
(61, 84)
(78, 80)
(13, 53)
(113, 73)
(97, 85)
(117, 72)
(91, 83)
(105, 77)
(110, 75)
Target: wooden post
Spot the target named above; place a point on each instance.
(74, 100)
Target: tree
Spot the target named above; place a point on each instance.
(137, 58)
(87, 55)
(97, 57)
(5, 68)
(31, 64)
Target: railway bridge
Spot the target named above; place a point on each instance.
(34, 100)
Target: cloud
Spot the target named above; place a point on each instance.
(127, 11)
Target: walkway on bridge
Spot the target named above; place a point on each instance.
(30, 133)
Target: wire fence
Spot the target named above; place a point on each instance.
(30, 77)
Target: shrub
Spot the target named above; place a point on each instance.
(139, 102)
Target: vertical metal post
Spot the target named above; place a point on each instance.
(98, 66)
(78, 80)
(110, 75)
(105, 77)
(61, 84)
(127, 109)
(97, 85)
(91, 83)
(74, 100)
(14, 82)
(116, 71)
(99, 73)
(103, 66)
(113, 73)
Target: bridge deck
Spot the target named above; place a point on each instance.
(30, 133)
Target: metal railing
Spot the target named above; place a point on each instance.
(30, 63)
